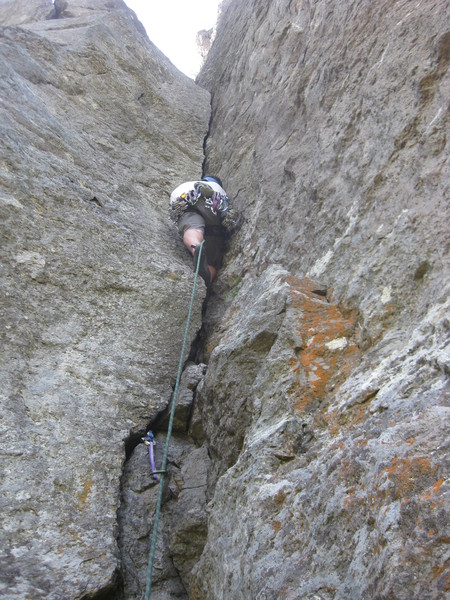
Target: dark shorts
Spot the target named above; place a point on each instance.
(201, 217)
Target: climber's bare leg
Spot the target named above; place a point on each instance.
(193, 238)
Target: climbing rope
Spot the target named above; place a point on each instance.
(162, 471)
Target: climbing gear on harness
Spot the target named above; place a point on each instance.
(151, 558)
(179, 204)
(231, 220)
(149, 440)
(203, 270)
(186, 196)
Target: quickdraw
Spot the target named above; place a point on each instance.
(149, 440)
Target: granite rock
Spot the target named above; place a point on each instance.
(19, 12)
(325, 402)
(182, 524)
(95, 283)
(309, 458)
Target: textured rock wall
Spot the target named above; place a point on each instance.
(96, 128)
(324, 402)
(308, 458)
(182, 525)
(19, 12)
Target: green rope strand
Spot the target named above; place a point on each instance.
(151, 558)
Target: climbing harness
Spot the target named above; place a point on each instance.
(162, 471)
(187, 195)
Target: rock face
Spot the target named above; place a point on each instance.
(326, 415)
(97, 128)
(19, 12)
(182, 525)
(308, 459)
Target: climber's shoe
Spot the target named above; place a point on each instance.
(205, 190)
(203, 269)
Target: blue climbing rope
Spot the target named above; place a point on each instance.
(151, 558)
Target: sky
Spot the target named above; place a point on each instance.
(172, 26)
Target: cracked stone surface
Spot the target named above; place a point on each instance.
(327, 416)
(182, 524)
(94, 280)
(310, 455)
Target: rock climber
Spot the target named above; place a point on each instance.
(202, 211)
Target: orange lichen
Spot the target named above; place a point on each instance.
(280, 497)
(438, 570)
(337, 420)
(362, 443)
(328, 354)
(434, 489)
(446, 582)
(406, 473)
(351, 501)
(437, 486)
(276, 526)
(83, 495)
